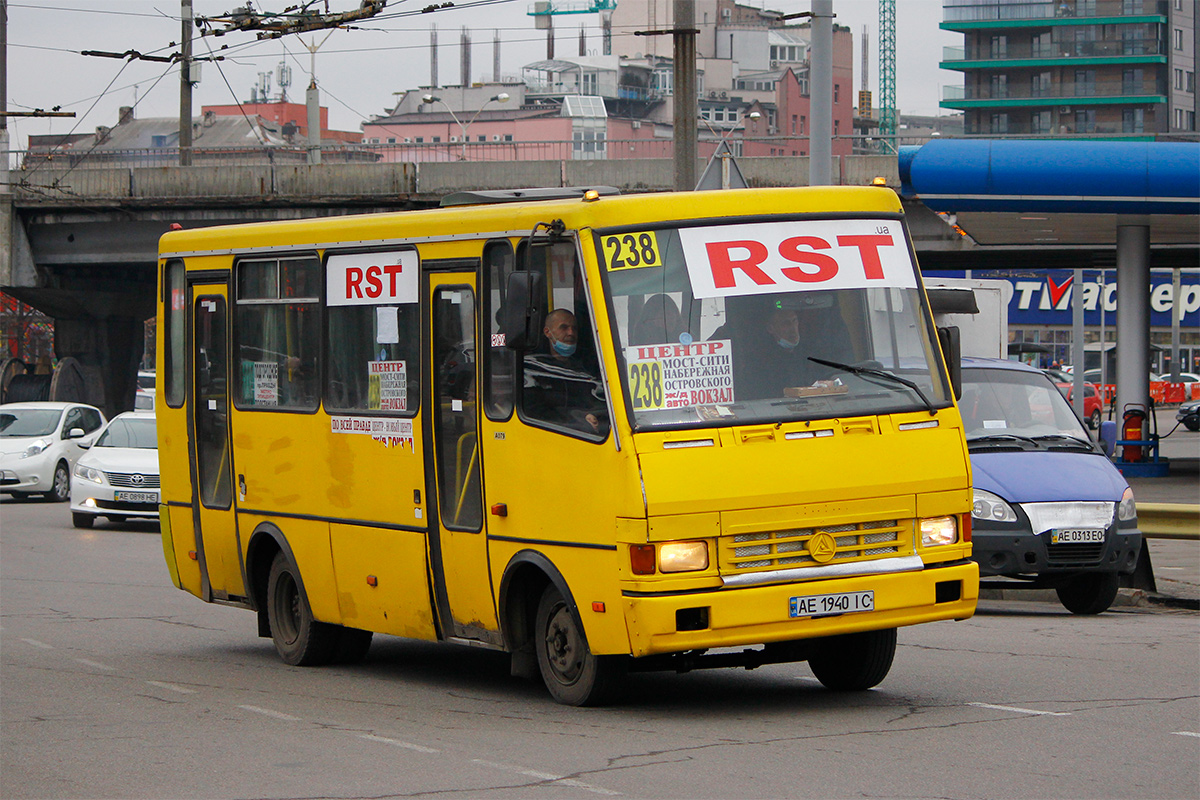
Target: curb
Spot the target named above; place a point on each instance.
(1133, 598)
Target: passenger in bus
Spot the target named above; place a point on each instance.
(765, 340)
(658, 323)
(560, 386)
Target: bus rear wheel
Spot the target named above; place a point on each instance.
(299, 639)
(572, 673)
(854, 662)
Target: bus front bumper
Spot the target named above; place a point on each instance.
(665, 622)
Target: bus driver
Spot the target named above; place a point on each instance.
(560, 387)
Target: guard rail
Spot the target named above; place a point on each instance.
(1169, 520)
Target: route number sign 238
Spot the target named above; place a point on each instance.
(631, 250)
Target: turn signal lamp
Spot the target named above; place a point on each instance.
(683, 556)
(641, 559)
(939, 531)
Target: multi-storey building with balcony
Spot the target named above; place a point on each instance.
(1073, 67)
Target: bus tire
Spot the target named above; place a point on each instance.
(574, 676)
(353, 645)
(1090, 593)
(299, 639)
(854, 662)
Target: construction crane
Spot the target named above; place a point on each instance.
(548, 8)
(544, 12)
(887, 72)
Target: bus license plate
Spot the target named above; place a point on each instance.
(1077, 536)
(137, 497)
(821, 605)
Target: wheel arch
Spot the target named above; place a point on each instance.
(525, 578)
(266, 541)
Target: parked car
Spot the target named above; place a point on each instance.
(1189, 415)
(144, 399)
(1093, 400)
(1184, 377)
(1050, 510)
(40, 443)
(118, 476)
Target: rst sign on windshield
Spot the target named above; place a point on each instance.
(773, 257)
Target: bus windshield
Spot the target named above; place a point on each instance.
(769, 322)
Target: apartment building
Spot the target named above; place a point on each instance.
(1073, 67)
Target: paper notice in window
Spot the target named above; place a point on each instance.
(387, 325)
(388, 388)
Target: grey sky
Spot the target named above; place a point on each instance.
(357, 71)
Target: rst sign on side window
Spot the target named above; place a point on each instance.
(373, 339)
(368, 279)
(774, 257)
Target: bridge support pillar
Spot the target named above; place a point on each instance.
(1133, 317)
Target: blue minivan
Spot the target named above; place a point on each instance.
(1050, 509)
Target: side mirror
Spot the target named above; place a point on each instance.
(1108, 436)
(521, 318)
(76, 433)
(951, 341)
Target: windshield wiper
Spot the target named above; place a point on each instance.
(997, 438)
(878, 373)
(1059, 437)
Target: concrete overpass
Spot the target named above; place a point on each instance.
(83, 241)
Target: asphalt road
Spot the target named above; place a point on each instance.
(117, 685)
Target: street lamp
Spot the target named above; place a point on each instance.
(431, 99)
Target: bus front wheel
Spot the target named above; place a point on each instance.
(572, 673)
(300, 640)
(855, 661)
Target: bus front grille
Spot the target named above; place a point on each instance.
(790, 549)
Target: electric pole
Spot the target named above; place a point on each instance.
(820, 153)
(185, 87)
(6, 208)
(685, 109)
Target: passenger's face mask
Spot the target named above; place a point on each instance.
(786, 345)
(563, 349)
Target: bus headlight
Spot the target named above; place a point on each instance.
(987, 506)
(683, 556)
(938, 531)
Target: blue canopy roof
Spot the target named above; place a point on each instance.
(957, 175)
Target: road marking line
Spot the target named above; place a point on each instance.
(546, 776)
(1022, 710)
(1185, 733)
(370, 737)
(36, 643)
(269, 713)
(89, 663)
(171, 687)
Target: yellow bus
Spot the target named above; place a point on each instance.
(601, 433)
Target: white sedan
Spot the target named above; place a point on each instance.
(118, 477)
(40, 443)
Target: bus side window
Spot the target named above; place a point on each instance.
(373, 364)
(499, 363)
(277, 333)
(561, 386)
(174, 323)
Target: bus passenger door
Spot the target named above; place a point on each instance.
(459, 547)
(212, 468)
